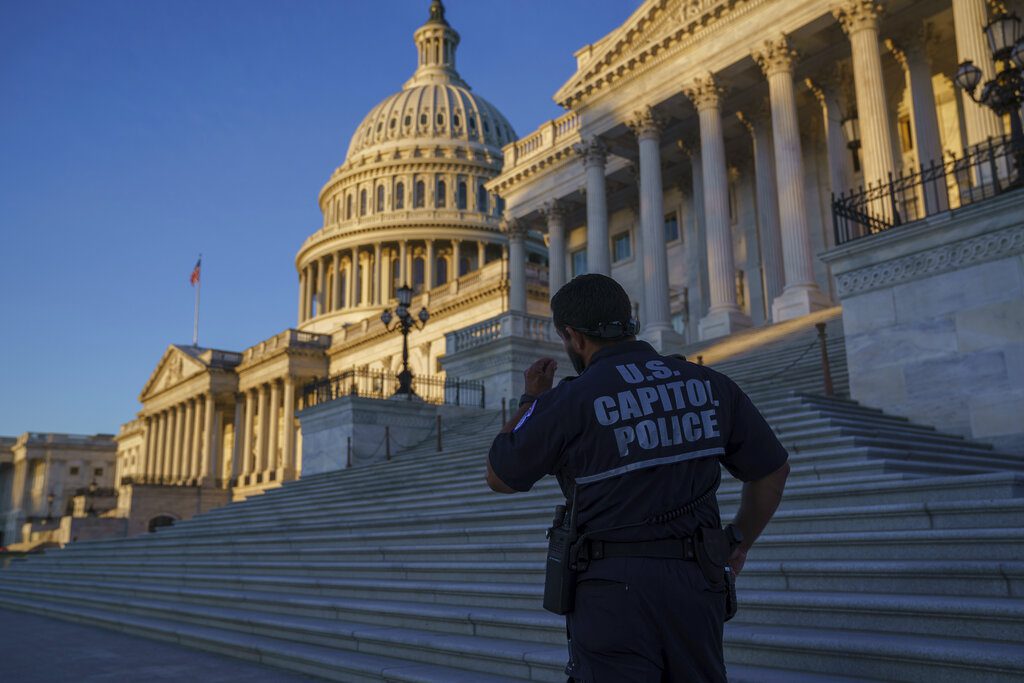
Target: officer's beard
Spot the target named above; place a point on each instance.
(578, 364)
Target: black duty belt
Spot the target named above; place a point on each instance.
(668, 548)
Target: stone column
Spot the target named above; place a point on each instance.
(165, 445)
(208, 466)
(246, 455)
(428, 266)
(767, 201)
(336, 281)
(289, 429)
(456, 256)
(657, 323)
(377, 299)
(926, 121)
(554, 211)
(274, 421)
(263, 427)
(403, 263)
(826, 91)
(516, 232)
(198, 432)
(153, 453)
(238, 447)
(481, 254)
(187, 451)
(801, 295)
(310, 291)
(969, 18)
(594, 155)
(859, 19)
(724, 316)
(178, 453)
(365, 278)
(142, 465)
(302, 296)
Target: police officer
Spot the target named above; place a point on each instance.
(635, 442)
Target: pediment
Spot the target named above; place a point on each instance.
(175, 367)
(655, 26)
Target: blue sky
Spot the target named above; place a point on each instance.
(135, 134)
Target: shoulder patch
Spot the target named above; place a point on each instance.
(525, 417)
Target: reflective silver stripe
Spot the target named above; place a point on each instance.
(667, 460)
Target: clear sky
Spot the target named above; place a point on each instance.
(135, 134)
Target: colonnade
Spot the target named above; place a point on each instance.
(785, 226)
(181, 442)
(367, 275)
(265, 433)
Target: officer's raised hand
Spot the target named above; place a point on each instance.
(540, 376)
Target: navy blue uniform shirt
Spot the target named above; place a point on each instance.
(638, 434)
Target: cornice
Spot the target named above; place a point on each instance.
(692, 21)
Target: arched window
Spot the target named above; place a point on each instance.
(440, 200)
(419, 196)
(481, 198)
(441, 270)
(380, 198)
(362, 202)
(348, 207)
(417, 274)
(461, 199)
(399, 196)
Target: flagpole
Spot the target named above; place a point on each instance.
(195, 322)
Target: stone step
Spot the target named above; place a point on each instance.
(497, 656)
(994, 544)
(326, 662)
(993, 619)
(876, 655)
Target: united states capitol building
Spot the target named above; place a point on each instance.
(747, 169)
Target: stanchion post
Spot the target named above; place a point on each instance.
(387, 442)
(826, 370)
(439, 447)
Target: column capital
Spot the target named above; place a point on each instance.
(514, 228)
(593, 151)
(775, 56)
(690, 146)
(704, 92)
(857, 15)
(917, 41)
(816, 90)
(897, 52)
(745, 120)
(554, 210)
(646, 123)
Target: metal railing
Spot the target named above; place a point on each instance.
(382, 385)
(988, 170)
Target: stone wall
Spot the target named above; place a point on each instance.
(934, 319)
(177, 502)
(327, 428)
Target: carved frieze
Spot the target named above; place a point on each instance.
(968, 252)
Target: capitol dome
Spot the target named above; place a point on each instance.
(409, 204)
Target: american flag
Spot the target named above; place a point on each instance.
(194, 277)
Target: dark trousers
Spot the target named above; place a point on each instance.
(642, 620)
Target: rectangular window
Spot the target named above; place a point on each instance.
(73, 471)
(671, 227)
(98, 472)
(621, 247)
(579, 262)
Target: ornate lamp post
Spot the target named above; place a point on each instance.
(1003, 94)
(405, 322)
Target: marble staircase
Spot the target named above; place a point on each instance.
(897, 555)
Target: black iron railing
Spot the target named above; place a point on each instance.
(381, 385)
(986, 171)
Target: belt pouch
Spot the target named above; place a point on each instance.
(713, 552)
(559, 577)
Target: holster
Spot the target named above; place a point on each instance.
(713, 551)
(560, 569)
